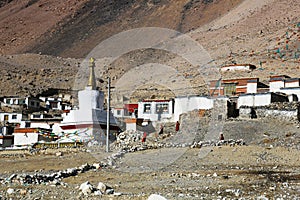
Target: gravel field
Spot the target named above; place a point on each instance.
(261, 169)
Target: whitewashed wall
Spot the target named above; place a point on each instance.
(39, 125)
(235, 67)
(10, 119)
(292, 84)
(295, 91)
(131, 126)
(251, 87)
(90, 105)
(276, 85)
(25, 139)
(90, 99)
(115, 112)
(186, 104)
(254, 100)
(153, 116)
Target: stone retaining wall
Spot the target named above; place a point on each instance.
(279, 111)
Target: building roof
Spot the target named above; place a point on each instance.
(292, 80)
(6, 136)
(237, 65)
(156, 100)
(30, 130)
(290, 88)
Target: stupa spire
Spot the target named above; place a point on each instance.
(92, 79)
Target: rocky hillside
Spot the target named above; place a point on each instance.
(72, 28)
(262, 32)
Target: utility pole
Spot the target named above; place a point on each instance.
(108, 114)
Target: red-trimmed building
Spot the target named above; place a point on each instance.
(156, 110)
(128, 110)
(235, 87)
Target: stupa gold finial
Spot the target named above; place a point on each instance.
(92, 80)
(92, 61)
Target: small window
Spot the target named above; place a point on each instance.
(27, 124)
(5, 117)
(229, 89)
(36, 116)
(32, 103)
(147, 108)
(54, 105)
(162, 108)
(118, 112)
(14, 117)
(220, 117)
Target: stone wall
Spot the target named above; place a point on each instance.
(287, 111)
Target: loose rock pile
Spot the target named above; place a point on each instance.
(87, 189)
(230, 142)
(130, 141)
(128, 137)
(51, 179)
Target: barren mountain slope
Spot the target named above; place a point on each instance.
(249, 31)
(22, 22)
(254, 32)
(73, 28)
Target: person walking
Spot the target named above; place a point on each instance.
(221, 136)
(161, 131)
(177, 126)
(144, 137)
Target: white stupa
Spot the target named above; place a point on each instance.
(89, 121)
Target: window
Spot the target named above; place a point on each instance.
(36, 116)
(14, 117)
(220, 117)
(32, 103)
(229, 89)
(162, 108)
(5, 117)
(118, 112)
(27, 124)
(53, 105)
(147, 108)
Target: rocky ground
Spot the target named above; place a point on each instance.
(263, 166)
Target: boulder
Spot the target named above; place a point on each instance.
(97, 165)
(110, 191)
(59, 154)
(102, 187)
(97, 193)
(23, 192)
(86, 188)
(10, 191)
